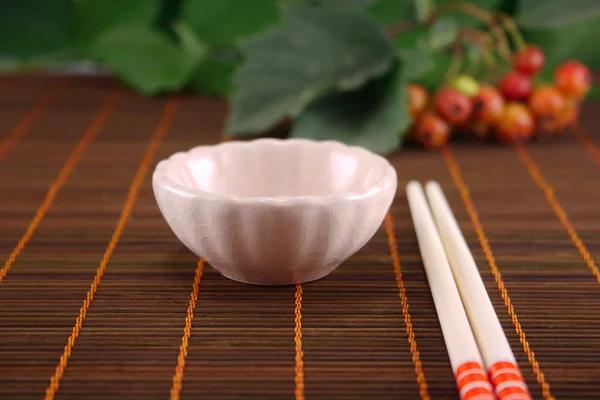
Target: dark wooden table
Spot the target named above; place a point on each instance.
(99, 300)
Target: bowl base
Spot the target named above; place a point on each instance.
(291, 283)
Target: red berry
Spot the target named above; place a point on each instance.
(417, 99)
(573, 79)
(453, 106)
(488, 104)
(529, 61)
(515, 86)
(546, 101)
(516, 124)
(431, 131)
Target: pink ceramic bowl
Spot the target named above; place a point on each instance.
(274, 212)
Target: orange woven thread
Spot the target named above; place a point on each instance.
(491, 260)
(545, 187)
(299, 367)
(187, 332)
(27, 122)
(412, 341)
(60, 180)
(587, 142)
(137, 182)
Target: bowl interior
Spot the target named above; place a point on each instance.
(276, 168)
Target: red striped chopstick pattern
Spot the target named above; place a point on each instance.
(472, 382)
(508, 381)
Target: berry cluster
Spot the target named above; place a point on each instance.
(510, 111)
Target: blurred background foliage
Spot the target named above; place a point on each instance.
(319, 61)
(164, 45)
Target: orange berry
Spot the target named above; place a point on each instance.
(547, 103)
(417, 99)
(516, 125)
(431, 131)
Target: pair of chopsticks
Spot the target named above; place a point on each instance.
(472, 332)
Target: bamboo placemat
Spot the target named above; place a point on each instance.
(98, 299)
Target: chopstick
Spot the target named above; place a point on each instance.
(466, 361)
(499, 359)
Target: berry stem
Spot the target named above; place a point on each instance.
(456, 63)
(511, 27)
(479, 37)
(491, 63)
(482, 41)
(474, 65)
(399, 27)
(485, 17)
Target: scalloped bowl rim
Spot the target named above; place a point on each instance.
(387, 179)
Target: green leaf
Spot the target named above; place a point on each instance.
(93, 17)
(333, 5)
(424, 9)
(192, 47)
(467, 19)
(312, 52)
(33, 27)
(555, 13)
(433, 78)
(415, 63)
(414, 51)
(223, 22)
(443, 32)
(416, 37)
(384, 11)
(214, 76)
(508, 6)
(390, 11)
(374, 117)
(143, 58)
(170, 11)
